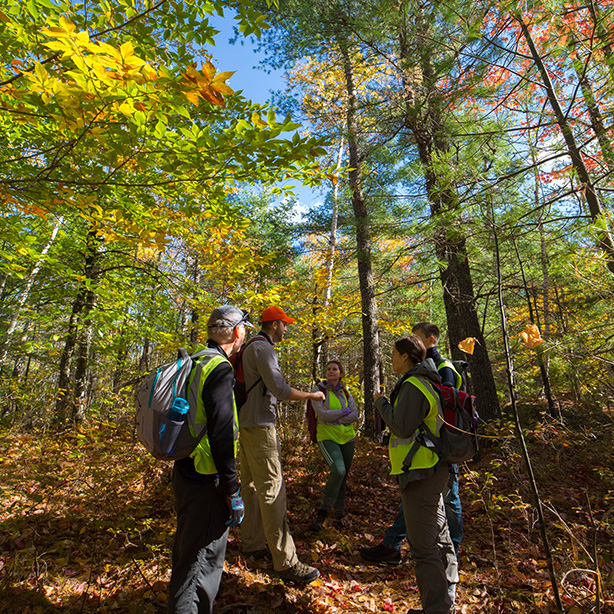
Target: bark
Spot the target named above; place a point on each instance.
(320, 345)
(120, 358)
(84, 345)
(25, 293)
(83, 305)
(145, 355)
(520, 434)
(604, 36)
(450, 244)
(371, 346)
(63, 397)
(195, 314)
(604, 241)
(597, 123)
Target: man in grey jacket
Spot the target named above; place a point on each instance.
(263, 488)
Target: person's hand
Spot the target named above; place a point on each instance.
(318, 396)
(237, 509)
(377, 395)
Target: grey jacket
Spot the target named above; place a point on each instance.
(260, 360)
(411, 409)
(335, 416)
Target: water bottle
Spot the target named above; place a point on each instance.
(179, 409)
(172, 425)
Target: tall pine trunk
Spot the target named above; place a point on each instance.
(426, 125)
(370, 331)
(83, 304)
(604, 240)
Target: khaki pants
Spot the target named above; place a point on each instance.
(264, 495)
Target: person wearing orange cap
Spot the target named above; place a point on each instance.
(263, 488)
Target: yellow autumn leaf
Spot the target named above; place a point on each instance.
(192, 96)
(83, 38)
(222, 88)
(259, 122)
(56, 32)
(213, 97)
(67, 24)
(531, 336)
(126, 49)
(209, 71)
(223, 76)
(126, 108)
(467, 345)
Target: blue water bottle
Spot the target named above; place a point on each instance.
(173, 423)
(179, 409)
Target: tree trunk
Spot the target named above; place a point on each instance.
(320, 345)
(605, 241)
(450, 247)
(82, 306)
(144, 359)
(23, 297)
(371, 347)
(594, 111)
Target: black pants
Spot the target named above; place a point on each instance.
(200, 546)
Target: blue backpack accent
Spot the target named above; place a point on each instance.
(163, 413)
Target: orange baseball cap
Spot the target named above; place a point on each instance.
(275, 313)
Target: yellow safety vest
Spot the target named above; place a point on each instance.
(339, 433)
(458, 378)
(203, 461)
(400, 447)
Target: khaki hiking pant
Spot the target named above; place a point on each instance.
(264, 495)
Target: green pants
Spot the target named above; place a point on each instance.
(339, 459)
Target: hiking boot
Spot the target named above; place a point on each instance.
(318, 523)
(299, 574)
(257, 555)
(338, 522)
(381, 554)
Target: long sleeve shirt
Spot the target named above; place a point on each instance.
(260, 361)
(218, 400)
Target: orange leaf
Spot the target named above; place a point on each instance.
(531, 336)
(467, 345)
(213, 97)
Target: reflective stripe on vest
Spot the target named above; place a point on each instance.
(203, 461)
(339, 433)
(458, 378)
(399, 448)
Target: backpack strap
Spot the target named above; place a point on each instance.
(256, 338)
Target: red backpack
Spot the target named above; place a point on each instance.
(237, 364)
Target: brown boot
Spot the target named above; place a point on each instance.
(316, 526)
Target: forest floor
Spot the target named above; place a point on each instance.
(87, 521)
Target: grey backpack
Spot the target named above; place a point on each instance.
(163, 414)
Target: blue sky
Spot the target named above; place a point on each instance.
(243, 58)
(256, 83)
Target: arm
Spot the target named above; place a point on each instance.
(447, 377)
(411, 410)
(264, 359)
(299, 395)
(325, 416)
(218, 400)
(353, 415)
